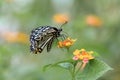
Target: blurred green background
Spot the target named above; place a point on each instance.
(94, 23)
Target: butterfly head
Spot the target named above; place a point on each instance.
(59, 30)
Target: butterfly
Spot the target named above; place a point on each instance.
(42, 37)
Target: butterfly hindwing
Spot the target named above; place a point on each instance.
(42, 45)
(49, 45)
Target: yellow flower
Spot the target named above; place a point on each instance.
(60, 18)
(60, 44)
(83, 55)
(66, 43)
(93, 21)
(13, 37)
(22, 38)
(76, 52)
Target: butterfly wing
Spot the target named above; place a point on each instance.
(49, 45)
(42, 45)
(41, 37)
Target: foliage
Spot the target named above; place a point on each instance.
(95, 24)
(92, 71)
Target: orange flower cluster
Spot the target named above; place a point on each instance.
(60, 18)
(66, 43)
(15, 37)
(93, 21)
(83, 55)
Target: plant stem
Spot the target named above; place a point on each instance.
(78, 69)
(73, 77)
(72, 72)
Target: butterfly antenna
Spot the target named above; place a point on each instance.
(63, 24)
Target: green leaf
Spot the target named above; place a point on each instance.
(46, 66)
(66, 65)
(93, 70)
(96, 54)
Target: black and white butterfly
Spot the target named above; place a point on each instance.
(43, 36)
